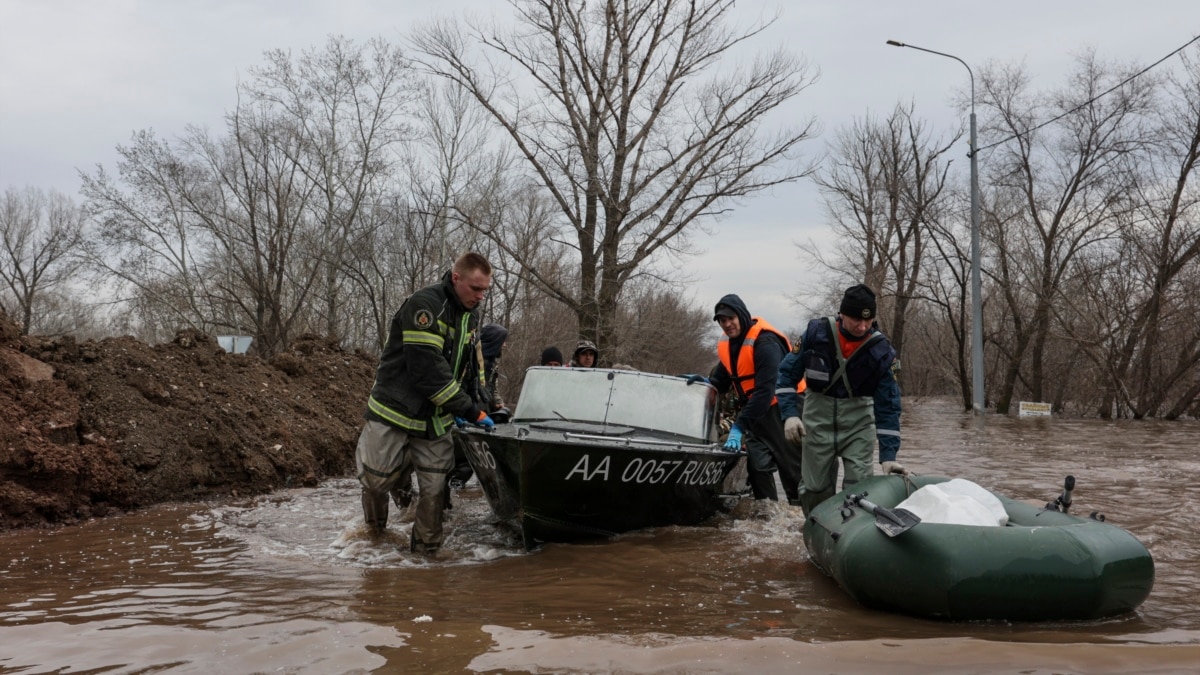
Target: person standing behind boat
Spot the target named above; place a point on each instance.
(585, 355)
(488, 348)
(418, 392)
(551, 357)
(852, 398)
(491, 346)
(750, 352)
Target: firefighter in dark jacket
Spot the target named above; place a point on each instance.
(852, 401)
(750, 352)
(418, 392)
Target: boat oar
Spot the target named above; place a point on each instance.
(891, 521)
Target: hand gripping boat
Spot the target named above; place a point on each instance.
(592, 452)
(1044, 565)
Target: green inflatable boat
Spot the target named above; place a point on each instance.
(1044, 565)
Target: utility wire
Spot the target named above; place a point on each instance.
(1095, 98)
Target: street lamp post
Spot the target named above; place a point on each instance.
(977, 401)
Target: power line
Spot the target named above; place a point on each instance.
(1095, 98)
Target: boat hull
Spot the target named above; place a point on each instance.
(1045, 565)
(554, 490)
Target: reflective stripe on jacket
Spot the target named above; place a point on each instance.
(428, 357)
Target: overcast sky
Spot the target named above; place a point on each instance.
(77, 77)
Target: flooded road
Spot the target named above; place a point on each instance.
(289, 582)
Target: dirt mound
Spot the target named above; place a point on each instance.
(90, 428)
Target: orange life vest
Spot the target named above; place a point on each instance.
(743, 375)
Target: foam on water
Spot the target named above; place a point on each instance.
(324, 525)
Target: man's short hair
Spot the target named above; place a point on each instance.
(471, 261)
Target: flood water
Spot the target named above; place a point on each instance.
(289, 583)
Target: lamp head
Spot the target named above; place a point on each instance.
(896, 44)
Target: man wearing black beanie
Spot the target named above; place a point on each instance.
(551, 356)
(852, 400)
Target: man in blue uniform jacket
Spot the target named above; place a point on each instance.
(852, 400)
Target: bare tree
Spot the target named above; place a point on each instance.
(145, 244)
(883, 186)
(211, 230)
(347, 105)
(1064, 186)
(612, 113)
(39, 232)
(257, 209)
(1159, 351)
(453, 162)
(946, 283)
(252, 227)
(659, 332)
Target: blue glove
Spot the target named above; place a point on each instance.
(734, 442)
(693, 379)
(485, 422)
(460, 423)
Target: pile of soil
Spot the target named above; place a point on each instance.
(99, 427)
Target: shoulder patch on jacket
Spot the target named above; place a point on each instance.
(423, 318)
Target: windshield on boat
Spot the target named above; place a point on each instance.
(618, 397)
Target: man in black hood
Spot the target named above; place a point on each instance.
(750, 351)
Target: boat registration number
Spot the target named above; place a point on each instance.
(649, 471)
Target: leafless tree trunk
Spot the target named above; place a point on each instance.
(614, 117)
(946, 283)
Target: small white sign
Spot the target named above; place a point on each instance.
(1033, 409)
(235, 344)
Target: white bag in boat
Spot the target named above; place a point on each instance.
(956, 502)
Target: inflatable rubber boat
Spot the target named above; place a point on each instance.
(1042, 564)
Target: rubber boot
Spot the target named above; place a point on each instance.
(416, 546)
(762, 484)
(793, 496)
(375, 511)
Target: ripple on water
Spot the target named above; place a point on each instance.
(324, 526)
(291, 581)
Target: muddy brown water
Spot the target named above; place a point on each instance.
(289, 583)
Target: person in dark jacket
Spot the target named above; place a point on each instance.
(491, 346)
(750, 351)
(487, 355)
(418, 393)
(852, 400)
(551, 356)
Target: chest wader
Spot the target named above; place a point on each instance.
(837, 427)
